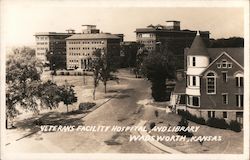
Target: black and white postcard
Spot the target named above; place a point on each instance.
(124, 80)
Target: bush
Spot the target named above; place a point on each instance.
(184, 123)
(86, 106)
(235, 126)
(62, 73)
(79, 73)
(191, 117)
(217, 123)
(152, 125)
(67, 73)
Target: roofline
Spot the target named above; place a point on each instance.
(51, 34)
(150, 30)
(218, 58)
(115, 37)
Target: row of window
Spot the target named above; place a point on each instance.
(42, 48)
(211, 114)
(146, 42)
(211, 81)
(195, 100)
(79, 54)
(239, 99)
(40, 54)
(73, 60)
(85, 48)
(86, 42)
(42, 43)
(145, 35)
(42, 38)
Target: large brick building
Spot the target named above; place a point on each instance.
(214, 82)
(52, 43)
(80, 47)
(170, 36)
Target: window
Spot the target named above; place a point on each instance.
(211, 114)
(196, 101)
(224, 114)
(224, 76)
(211, 82)
(193, 101)
(188, 61)
(218, 65)
(239, 100)
(224, 63)
(194, 81)
(225, 98)
(194, 62)
(239, 80)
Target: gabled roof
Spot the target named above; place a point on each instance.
(93, 36)
(198, 47)
(222, 53)
(236, 53)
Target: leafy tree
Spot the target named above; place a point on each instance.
(68, 95)
(158, 66)
(130, 52)
(140, 56)
(226, 43)
(24, 87)
(103, 67)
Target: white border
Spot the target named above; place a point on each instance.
(131, 3)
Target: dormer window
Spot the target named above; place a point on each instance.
(224, 64)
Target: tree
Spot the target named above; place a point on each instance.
(158, 66)
(140, 56)
(226, 43)
(24, 86)
(129, 51)
(103, 67)
(68, 95)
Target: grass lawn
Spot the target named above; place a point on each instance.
(232, 142)
(24, 122)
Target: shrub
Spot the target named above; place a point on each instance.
(217, 123)
(235, 126)
(184, 123)
(86, 106)
(67, 73)
(191, 117)
(152, 125)
(79, 73)
(62, 73)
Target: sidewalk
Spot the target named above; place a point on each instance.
(156, 143)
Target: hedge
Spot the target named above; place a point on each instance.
(235, 126)
(191, 117)
(217, 123)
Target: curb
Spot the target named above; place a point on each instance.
(27, 135)
(156, 143)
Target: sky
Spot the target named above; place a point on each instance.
(22, 20)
